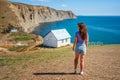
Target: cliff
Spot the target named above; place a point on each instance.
(26, 17)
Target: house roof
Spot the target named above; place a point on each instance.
(60, 34)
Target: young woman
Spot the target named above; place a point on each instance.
(79, 46)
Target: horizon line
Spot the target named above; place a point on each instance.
(97, 15)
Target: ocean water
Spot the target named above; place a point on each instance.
(104, 29)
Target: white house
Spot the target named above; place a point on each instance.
(57, 38)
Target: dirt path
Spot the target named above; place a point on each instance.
(101, 63)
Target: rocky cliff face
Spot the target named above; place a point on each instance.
(27, 17)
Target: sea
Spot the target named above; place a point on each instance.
(101, 29)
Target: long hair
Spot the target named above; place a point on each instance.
(82, 30)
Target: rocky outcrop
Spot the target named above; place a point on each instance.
(27, 17)
(19, 41)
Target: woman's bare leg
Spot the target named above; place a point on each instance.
(81, 62)
(76, 60)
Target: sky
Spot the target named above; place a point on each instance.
(80, 7)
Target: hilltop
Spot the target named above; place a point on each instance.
(26, 17)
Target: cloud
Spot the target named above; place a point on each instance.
(64, 5)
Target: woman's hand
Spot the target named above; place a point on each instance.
(74, 44)
(73, 48)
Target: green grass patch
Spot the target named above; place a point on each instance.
(6, 62)
(33, 58)
(21, 36)
(19, 48)
(22, 39)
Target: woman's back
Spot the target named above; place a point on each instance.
(79, 39)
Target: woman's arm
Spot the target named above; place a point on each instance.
(87, 39)
(74, 44)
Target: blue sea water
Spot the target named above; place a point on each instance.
(105, 29)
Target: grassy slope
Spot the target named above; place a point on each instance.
(24, 61)
(61, 60)
(13, 39)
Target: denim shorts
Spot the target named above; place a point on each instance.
(80, 48)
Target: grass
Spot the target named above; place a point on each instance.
(4, 62)
(22, 39)
(21, 36)
(40, 55)
(18, 48)
(15, 67)
(18, 64)
(43, 55)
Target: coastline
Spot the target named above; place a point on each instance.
(99, 28)
(26, 17)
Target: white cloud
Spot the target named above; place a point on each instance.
(64, 5)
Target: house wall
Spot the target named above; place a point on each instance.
(50, 40)
(63, 42)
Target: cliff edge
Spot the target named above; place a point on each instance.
(26, 17)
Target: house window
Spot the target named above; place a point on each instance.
(66, 40)
(62, 40)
